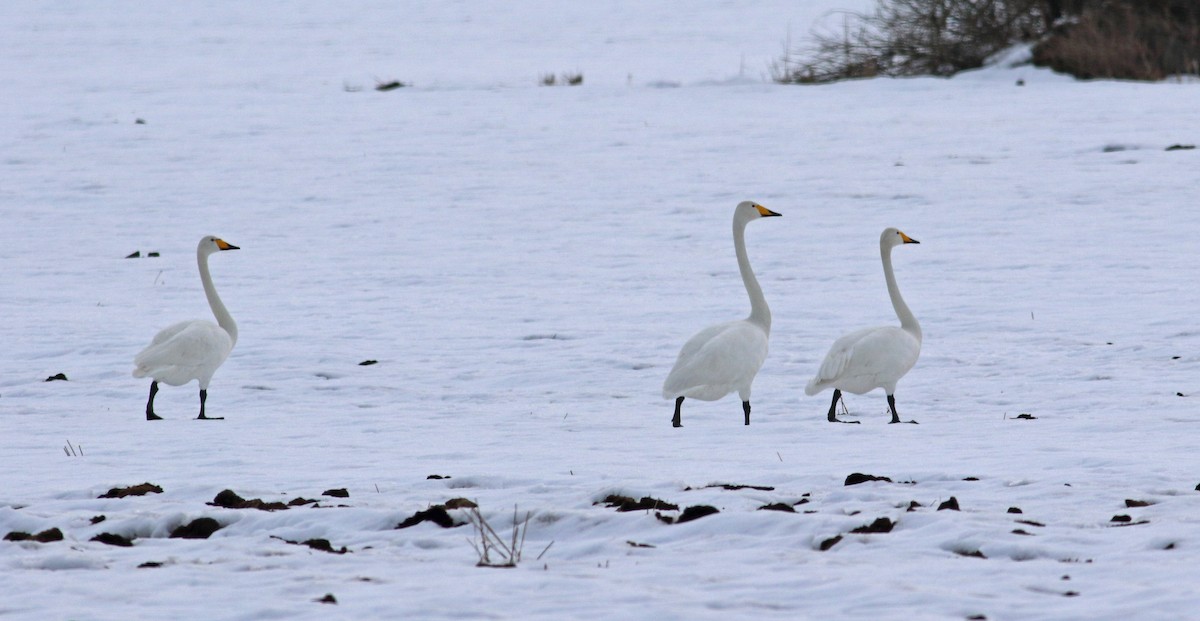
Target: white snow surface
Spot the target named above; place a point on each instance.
(524, 262)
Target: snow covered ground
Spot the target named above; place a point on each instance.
(524, 262)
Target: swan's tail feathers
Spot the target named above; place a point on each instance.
(139, 372)
(814, 386)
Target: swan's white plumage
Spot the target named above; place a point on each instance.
(717, 361)
(186, 351)
(192, 350)
(724, 358)
(866, 359)
(871, 358)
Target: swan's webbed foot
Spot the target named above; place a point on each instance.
(675, 420)
(152, 416)
(832, 417)
(203, 417)
(896, 417)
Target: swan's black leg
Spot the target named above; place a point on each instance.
(895, 416)
(832, 417)
(203, 398)
(746, 410)
(150, 415)
(675, 421)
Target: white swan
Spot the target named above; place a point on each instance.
(872, 358)
(190, 350)
(722, 358)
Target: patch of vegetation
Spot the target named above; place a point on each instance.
(1125, 39)
(495, 551)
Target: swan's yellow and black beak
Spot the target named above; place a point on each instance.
(766, 213)
(224, 245)
(907, 239)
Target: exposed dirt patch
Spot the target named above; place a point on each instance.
(46, 536)
(626, 503)
(829, 543)
(858, 477)
(694, 512)
(949, 505)
(733, 487)
(778, 506)
(230, 500)
(134, 490)
(880, 525)
(336, 493)
(113, 539)
(436, 514)
(199, 528)
(317, 544)
(460, 503)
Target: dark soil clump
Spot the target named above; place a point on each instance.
(625, 503)
(880, 525)
(199, 528)
(229, 500)
(436, 514)
(113, 539)
(695, 512)
(46, 536)
(829, 543)
(858, 477)
(134, 490)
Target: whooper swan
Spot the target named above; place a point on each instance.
(722, 358)
(190, 350)
(871, 358)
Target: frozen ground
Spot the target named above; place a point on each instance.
(524, 263)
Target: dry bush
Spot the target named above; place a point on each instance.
(1131, 39)
(1142, 40)
(914, 37)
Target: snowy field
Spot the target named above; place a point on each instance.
(524, 263)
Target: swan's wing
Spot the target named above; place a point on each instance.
(193, 350)
(839, 358)
(717, 360)
(166, 333)
(867, 359)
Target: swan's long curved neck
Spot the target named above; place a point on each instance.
(907, 320)
(224, 319)
(760, 313)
